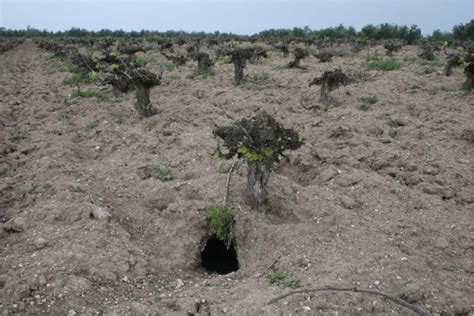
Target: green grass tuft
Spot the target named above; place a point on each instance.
(251, 86)
(283, 279)
(89, 93)
(144, 60)
(431, 63)
(93, 124)
(169, 66)
(204, 73)
(162, 174)
(384, 64)
(393, 131)
(367, 102)
(77, 79)
(221, 219)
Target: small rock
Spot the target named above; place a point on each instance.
(341, 131)
(24, 292)
(99, 213)
(42, 280)
(441, 243)
(328, 174)
(40, 243)
(346, 180)
(179, 283)
(71, 313)
(174, 163)
(349, 203)
(306, 308)
(377, 282)
(145, 172)
(304, 262)
(3, 280)
(15, 225)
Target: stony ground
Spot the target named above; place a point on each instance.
(85, 229)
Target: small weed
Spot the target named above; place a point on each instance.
(371, 99)
(384, 64)
(67, 66)
(276, 276)
(89, 93)
(204, 73)
(169, 66)
(420, 134)
(282, 279)
(393, 131)
(162, 174)
(166, 133)
(427, 70)
(119, 117)
(444, 88)
(20, 136)
(77, 79)
(370, 57)
(291, 283)
(364, 106)
(93, 124)
(431, 63)
(307, 50)
(409, 59)
(395, 123)
(224, 60)
(282, 67)
(280, 84)
(261, 76)
(144, 60)
(307, 101)
(221, 219)
(367, 102)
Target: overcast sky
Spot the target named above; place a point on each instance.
(236, 16)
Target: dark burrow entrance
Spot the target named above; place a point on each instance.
(217, 258)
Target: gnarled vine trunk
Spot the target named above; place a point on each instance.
(325, 96)
(239, 65)
(257, 179)
(454, 59)
(469, 73)
(143, 105)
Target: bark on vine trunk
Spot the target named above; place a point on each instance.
(143, 105)
(239, 65)
(257, 179)
(325, 97)
(469, 73)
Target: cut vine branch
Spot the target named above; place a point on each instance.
(418, 309)
(227, 184)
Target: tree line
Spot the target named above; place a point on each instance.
(374, 32)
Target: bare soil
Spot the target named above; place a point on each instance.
(86, 230)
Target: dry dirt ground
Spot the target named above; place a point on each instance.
(85, 230)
